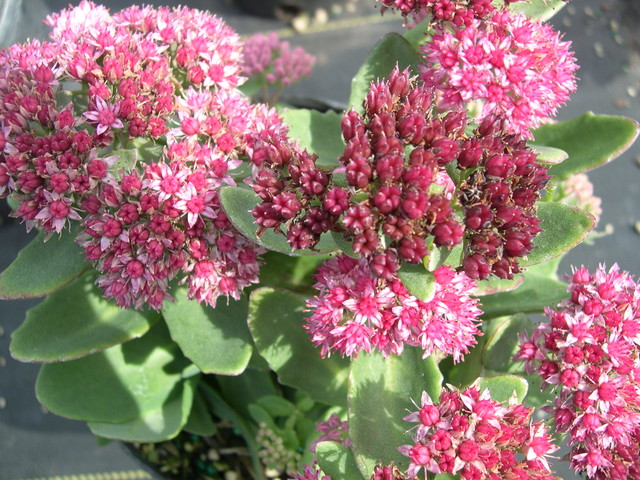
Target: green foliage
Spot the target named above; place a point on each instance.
(43, 267)
(116, 385)
(216, 339)
(73, 322)
(276, 322)
(337, 461)
(291, 273)
(238, 203)
(380, 392)
(539, 290)
(420, 282)
(538, 9)
(563, 227)
(246, 388)
(503, 387)
(157, 425)
(493, 285)
(200, 421)
(549, 155)
(391, 50)
(502, 338)
(248, 431)
(318, 132)
(590, 141)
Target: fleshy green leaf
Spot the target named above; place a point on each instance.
(391, 50)
(502, 387)
(417, 34)
(464, 373)
(223, 410)
(246, 388)
(318, 132)
(502, 339)
(157, 425)
(217, 339)
(538, 9)
(337, 461)
(127, 159)
(73, 322)
(290, 273)
(549, 155)
(200, 421)
(276, 405)
(43, 267)
(590, 140)
(380, 392)
(444, 256)
(537, 291)
(276, 322)
(147, 150)
(494, 285)
(345, 246)
(420, 283)
(563, 227)
(239, 202)
(116, 385)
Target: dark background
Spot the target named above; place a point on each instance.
(606, 40)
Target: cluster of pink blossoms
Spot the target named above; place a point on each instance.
(398, 195)
(355, 311)
(589, 354)
(456, 12)
(310, 472)
(332, 429)
(131, 122)
(275, 60)
(515, 66)
(469, 434)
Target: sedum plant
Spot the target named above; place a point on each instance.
(208, 261)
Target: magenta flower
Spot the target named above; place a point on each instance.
(310, 472)
(517, 67)
(354, 311)
(469, 434)
(275, 60)
(333, 429)
(104, 116)
(589, 355)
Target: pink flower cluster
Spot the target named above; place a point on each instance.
(131, 122)
(389, 472)
(310, 472)
(332, 429)
(456, 12)
(589, 354)
(354, 311)
(469, 434)
(515, 66)
(274, 60)
(399, 196)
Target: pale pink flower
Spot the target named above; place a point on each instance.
(355, 310)
(589, 355)
(517, 67)
(469, 434)
(104, 116)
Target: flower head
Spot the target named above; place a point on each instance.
(354, 310)
(469, 434)
(517, 67)
(588, 354)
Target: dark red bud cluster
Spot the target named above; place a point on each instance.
(395, 202)
(498, 200)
